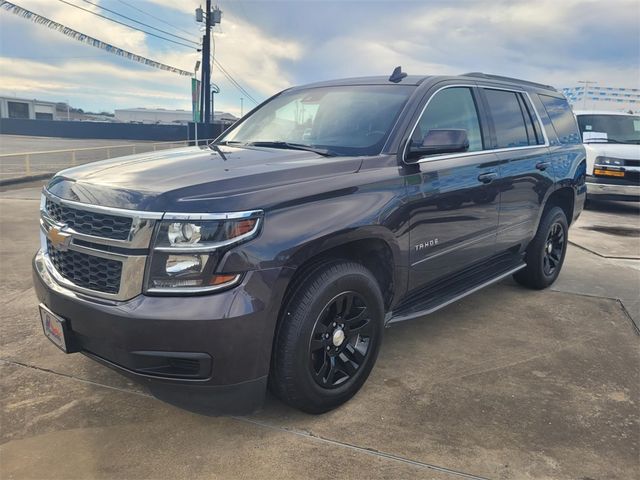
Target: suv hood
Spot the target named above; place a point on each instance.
(195, 178)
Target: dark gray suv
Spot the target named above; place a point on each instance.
(277, 254)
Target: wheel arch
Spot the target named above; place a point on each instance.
(374, 247)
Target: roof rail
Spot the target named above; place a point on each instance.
(508, 79)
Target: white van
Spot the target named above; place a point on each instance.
(612, 142)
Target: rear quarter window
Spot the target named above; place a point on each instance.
(562, 119)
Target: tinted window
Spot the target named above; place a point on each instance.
(562, 119)
(452, 108)
(508, 119)
(531, 121)
(347, 120)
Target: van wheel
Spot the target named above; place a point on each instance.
(328, 338)
(545, 254)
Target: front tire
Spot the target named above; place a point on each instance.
(328, 337)
(545, 254)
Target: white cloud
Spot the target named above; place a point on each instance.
(254, 58)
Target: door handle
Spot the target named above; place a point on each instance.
(543, 165)
(487, 177)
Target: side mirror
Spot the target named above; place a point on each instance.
(439, 141)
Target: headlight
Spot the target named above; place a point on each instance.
(186, 251)
(612, 162)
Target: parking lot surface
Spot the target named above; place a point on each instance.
(22, 155)
(508, 383)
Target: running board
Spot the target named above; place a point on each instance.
(431, 301)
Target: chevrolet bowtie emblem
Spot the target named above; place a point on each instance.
(59, 240)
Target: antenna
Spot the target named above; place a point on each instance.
(397, 75)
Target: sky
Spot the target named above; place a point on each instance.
(269, 45)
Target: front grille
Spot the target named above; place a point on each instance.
(90, 223)
(87, 271)
(633, 177)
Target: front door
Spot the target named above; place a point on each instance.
(453, 199)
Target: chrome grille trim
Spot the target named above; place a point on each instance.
(133, 266)
(140, 233)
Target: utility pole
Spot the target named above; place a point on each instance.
(584, 93)
(241, 107)
(211, 18)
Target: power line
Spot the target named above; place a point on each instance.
(86, 39)
(141, 23)
(124, 24)
(153, 16)
(234, 82)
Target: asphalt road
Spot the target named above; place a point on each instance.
(508, 383)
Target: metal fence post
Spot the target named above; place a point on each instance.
(73, 157)
(27, 164)
(108, 153)
(133, 149)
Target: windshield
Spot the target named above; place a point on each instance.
(610, 128)
(342, 120)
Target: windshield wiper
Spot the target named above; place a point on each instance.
(294, 146)
(214, 146)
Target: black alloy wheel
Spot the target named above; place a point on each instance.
(341, 340)
(328, 336)
(554, 249)
(546, 251)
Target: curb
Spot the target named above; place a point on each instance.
(25, 179)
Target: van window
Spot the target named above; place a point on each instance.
(509, 119)
(451, 108)
(562, 119)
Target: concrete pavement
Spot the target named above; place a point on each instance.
(507, 384)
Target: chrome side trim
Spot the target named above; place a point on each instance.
(478, 152)
(391, 319)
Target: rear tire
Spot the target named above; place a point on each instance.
(328, 337)
(545, 254)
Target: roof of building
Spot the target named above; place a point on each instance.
(8, 98)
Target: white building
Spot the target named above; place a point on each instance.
(11, 107)
(595, 97)
(164, 116)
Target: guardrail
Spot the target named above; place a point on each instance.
(41, 163)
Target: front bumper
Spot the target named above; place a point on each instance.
(599, 188)
(227, 337)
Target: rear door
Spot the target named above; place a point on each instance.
(526, 173)
(453, 199)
